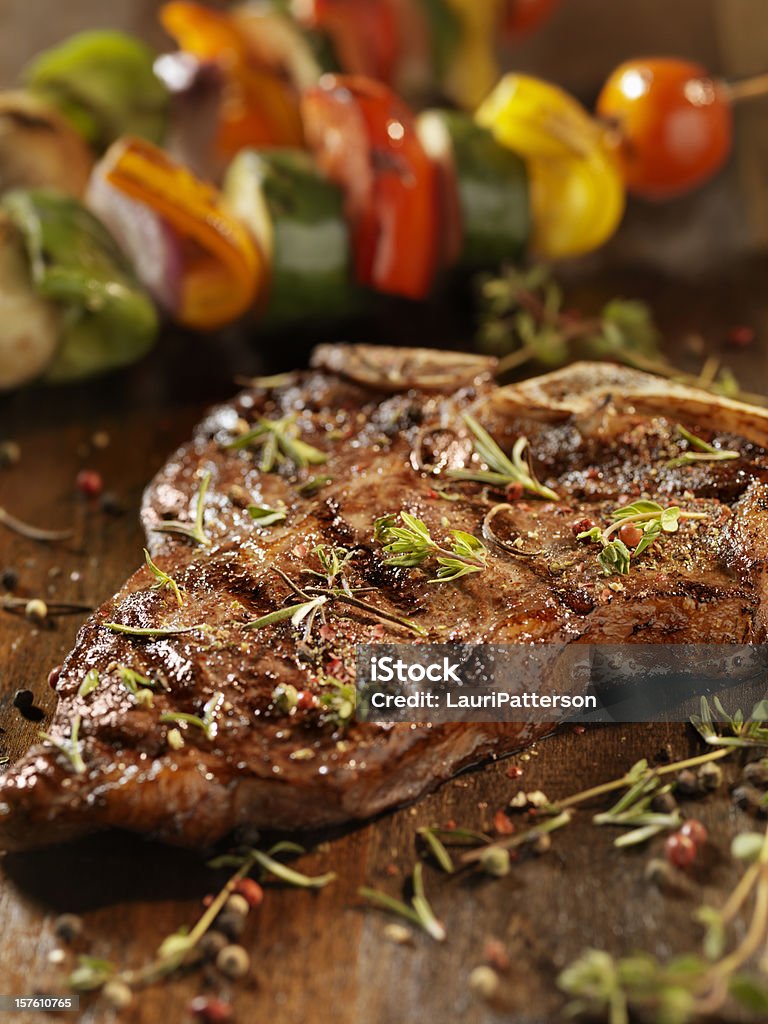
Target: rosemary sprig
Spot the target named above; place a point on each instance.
(316, 483)
(503, 470)
(31, 532)
(704, 452)
(297, 613)
(279, 440)
(266, 516)
(411, 544)
(163, 579)
(160, 631)
(71, 748)
(89, 683)
(205, 722)
(195, 530)
(271, 866)
(732, 730)
(419, 912)
(615, 557)
(140, 687)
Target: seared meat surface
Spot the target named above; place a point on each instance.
(268, 740)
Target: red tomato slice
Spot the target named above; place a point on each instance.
(365, 34)
(364, 138)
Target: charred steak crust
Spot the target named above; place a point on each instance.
(276, 750)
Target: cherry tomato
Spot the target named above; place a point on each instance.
(365, 140)
(674, 125)
(520, 17)
(365, 35)
(259, 107)
(577, 195)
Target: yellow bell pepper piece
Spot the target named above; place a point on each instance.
(223, 271)
(473, 69)
(577, 192)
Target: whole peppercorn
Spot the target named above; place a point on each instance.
(658, 871)
(36, 610)
(10, 579)
(10, 453)
(233, 961)
(53, 677)
(111, 504)
(68, 927)
(117, 994)
(89, 483)
(695, 831)
(251, 890)
(23, 699)
(212, 944)
(710, 776)
(210, 1010)
(484, 982)
(680, 850)
(582, 526)
(664, 803)
(237, 904)
(688, 783)
(756, 773)
(495, 861)
(747, 798)
(231, 925)
(630, 535)
(514, 492)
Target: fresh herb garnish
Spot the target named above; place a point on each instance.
(163, 579)
(206, 722)
(279, 440)
(313, 485)
(503, 470)
(140, 687)
(70, 748)
(195, 530)
(419, 912)
(265, 516)
(704, 452)
(339, 701)
(89, 683)
(732, 730)
(160, 631)
(615, 557)
(270, 865)
(411, 544)
(297, 613)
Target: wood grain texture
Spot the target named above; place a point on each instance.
(320, 957)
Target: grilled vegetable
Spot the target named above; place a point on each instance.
(219, 268)
(297, 217)
(364, 139)
(106, 320)
(260, 107)
(29, 325)
(577, 194)
(39, 148)
(484, 191)
(105, 85)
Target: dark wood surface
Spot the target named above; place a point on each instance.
(320, 956)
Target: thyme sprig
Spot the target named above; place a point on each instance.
(411, 544)
(734, 730)
(523, 319)
(691, 986)
(419, 912)
(503, 470)
(615, 557)
(196, 529)
(180, 949)
(263, 515)
(164, 581)
(279, 441)
(140, 687)
(71, 748)
(207, 722)
(704, 452)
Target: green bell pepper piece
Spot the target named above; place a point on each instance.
(105, 83)
(107, 320)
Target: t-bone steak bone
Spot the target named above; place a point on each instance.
(278, 750)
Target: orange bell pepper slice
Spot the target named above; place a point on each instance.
(259, 107)
(223, 271)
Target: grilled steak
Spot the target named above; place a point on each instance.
(270, 742)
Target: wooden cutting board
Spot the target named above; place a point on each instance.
(320, 957)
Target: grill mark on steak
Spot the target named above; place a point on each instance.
(600, 435)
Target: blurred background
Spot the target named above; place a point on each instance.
(576, 48)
